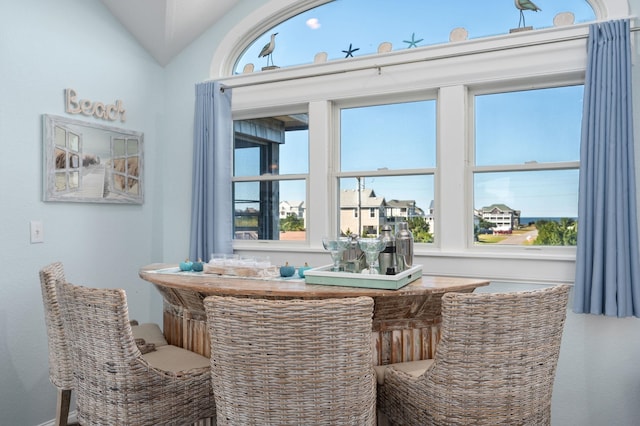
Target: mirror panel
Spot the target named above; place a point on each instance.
(88, 162)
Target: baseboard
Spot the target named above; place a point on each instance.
(73, 418)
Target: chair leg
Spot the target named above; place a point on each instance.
(62, 408)
(382, 419)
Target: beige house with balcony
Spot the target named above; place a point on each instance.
(363, 210)
(504, 217)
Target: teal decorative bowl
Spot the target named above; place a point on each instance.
(197, 266)
(287, 271)
(302, 269)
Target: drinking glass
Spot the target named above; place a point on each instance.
(335, 246)
(371, 248)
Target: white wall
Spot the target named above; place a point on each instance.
(47, 46)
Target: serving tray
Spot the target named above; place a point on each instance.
(325, 276)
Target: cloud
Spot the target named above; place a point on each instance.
(313, 23)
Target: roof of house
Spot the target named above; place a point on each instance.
(497, 207)
(349, 198)
(295, 203)
(401, 203)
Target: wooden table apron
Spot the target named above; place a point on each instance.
(406, 322)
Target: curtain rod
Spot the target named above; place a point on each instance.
(414, 61)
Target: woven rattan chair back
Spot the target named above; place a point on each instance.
(114, 383)
(292, 362)
(60, 369)
(495, 363)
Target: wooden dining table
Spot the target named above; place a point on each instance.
(406, 321)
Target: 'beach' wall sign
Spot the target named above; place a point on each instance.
(110, 112)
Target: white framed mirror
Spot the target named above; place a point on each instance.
(91, 163)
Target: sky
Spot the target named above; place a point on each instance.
(504, 132)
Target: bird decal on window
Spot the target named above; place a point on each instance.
(268, 49)
(523, 5)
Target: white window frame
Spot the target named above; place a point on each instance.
(403, 97)
(454, 71)
(559, 81)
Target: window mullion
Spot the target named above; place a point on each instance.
(387, 172)
(562, 165)
(321, 198)
(452, 187)
(269, 177)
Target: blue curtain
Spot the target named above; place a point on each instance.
(211, 205)
(607, 264)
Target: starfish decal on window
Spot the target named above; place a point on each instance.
(413, 42)
(350, 51)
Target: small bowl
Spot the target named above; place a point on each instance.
(302, 269)
(186, 265)
(287, 271)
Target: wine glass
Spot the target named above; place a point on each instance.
(371, 247)
(336, 246)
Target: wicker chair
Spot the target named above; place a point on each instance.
(60, 370)
(114, 381)
(494, 365)
(292, 362)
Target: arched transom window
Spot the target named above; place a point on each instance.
(349, 28)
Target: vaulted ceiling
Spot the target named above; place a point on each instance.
(165, 27)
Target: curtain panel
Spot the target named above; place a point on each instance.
(607, 263)
(211, 205)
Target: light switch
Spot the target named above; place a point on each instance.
(37, 232)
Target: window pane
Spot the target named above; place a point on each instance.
(119, 147)
(246, 207)
(74, 142)
(294, 153)
(292, 211)
(367, 203)
(511, 206)
(132, 146)
(274, 145)
(270, 210)
(271, 146)
(61, 159)
(61, 181)
(246, 160)
(535, 126)
(527, 128)
(394, 136)
(60, 136)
